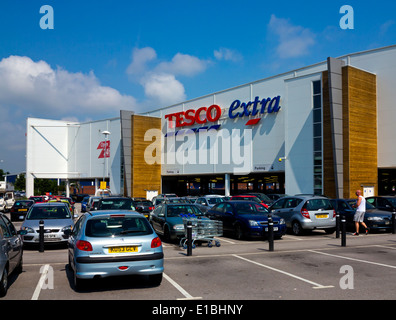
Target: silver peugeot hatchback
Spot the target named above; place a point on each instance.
(114, 243)
(306, 212)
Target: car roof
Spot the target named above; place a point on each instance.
(49, 204)
(113, 212)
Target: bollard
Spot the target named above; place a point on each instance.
(41, 236)
(343, 230)
(189, 238)
(270, 233)
(393, 222)
(337, 225)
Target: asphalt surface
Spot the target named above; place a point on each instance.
(313, 267)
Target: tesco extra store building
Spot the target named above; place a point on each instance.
(326, 129)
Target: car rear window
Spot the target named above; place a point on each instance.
(117, 225)
(48, 212)
(116, 204)
(316, 204)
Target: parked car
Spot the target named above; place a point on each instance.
(115, 203)
(246, 219)
(19, 209)
(114, 243)
(58, 221)
(387, 203)
(167, 219)
(65, 201)
(263, 197)
(249, 197)
(92, 202)
(84, 203)
(306, 212)
(375, 219)
(11, 252)
(143, 206)
(209, 200)
(37, 199)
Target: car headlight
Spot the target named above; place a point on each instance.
(178, 227)
(253, 223)
(28, 229)
(375, 219)
(282, 221)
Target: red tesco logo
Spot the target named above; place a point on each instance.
(191, 116)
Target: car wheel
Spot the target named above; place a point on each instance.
(155, 279)
(296, 228)
(4, 283)
(78, 283)
(238, 232)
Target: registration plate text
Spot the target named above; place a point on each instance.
(123, 249)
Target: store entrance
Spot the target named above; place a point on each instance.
(273, 182)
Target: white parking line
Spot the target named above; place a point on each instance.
(40, 284)
(315, 285)
(181, 290)
(353, 259)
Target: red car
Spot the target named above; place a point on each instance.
(37, 199)
(249, 198)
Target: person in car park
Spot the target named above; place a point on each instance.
(360, 211)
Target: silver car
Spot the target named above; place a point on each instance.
(114, 243)
(306, 213)
(11, 252)
(58, 222)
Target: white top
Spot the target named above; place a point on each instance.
(362, 205)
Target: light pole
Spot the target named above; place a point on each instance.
(106, 134)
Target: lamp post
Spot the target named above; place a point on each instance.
(106, 134)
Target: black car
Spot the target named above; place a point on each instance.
(143, 206)
(11, 252)
(375, 219)
(246, 219)
(387, 203)
(19, 209)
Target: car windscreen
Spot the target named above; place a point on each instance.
(116, 204)
(215, 200)
(393, 201)
(117, 225)
(318, 204)
(368, 204)
(180, 210)
(250, 208)
(48, 212)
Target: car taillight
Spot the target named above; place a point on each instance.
(156, 242)
(84, 245)
(151, 208)
(334, 214)
(305, 213)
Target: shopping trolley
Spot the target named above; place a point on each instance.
(203, 230)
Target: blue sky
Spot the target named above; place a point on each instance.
(103, 56)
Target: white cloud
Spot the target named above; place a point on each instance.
(227, 55)
(294, 41)
(164, 88)
(158, 78)
(38, 89)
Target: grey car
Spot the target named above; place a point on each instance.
(11, 252)
(114, 243)
(306, 212)
(57, 218)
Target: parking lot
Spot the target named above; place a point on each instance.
(309, 267)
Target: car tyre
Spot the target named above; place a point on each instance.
(155, 279)
(4, 283)
(238, 232)
(296, 228)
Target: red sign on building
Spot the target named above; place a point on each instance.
(105, 146)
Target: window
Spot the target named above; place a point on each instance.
(317, 136)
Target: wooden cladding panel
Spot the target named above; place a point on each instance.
(144, 176)
(359, 132)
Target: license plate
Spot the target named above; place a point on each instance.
(49, 236)
(19, 210)
(123, 249)
(322, 216)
